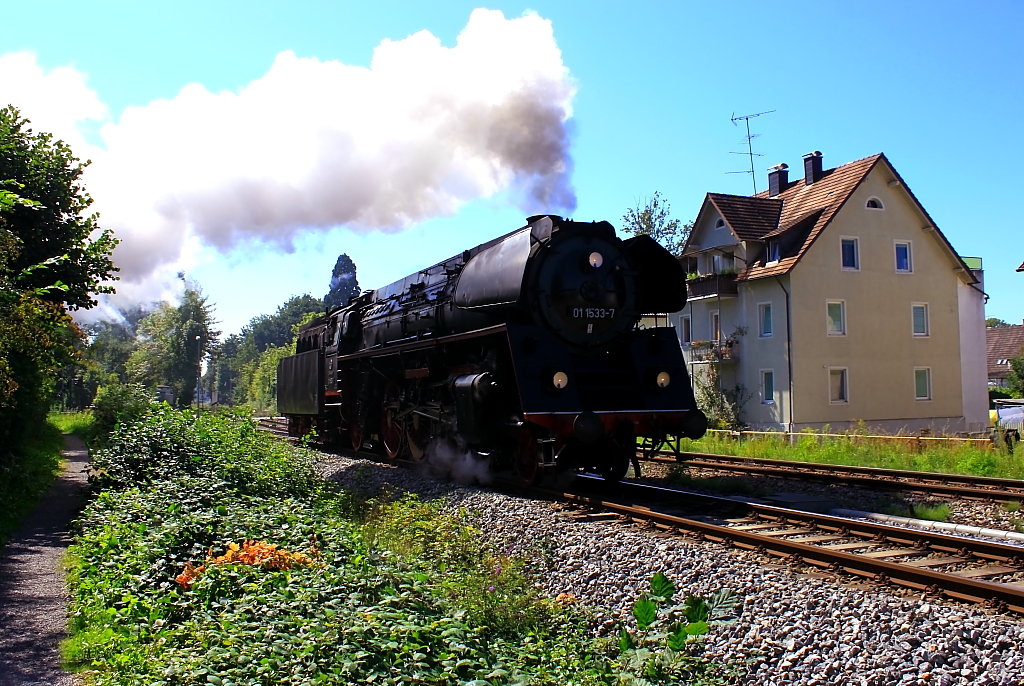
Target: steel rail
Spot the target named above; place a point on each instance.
(977, 487)
(919, 578)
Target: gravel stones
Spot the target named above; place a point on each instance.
(795, 628)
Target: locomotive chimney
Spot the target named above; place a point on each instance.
(812, 167)
(778, 178)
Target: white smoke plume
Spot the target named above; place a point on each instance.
(443, 460)
(316, 144)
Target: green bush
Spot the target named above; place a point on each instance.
(118, 403)
(388, 591)
(171, 444)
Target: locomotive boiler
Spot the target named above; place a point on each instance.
(525, 351)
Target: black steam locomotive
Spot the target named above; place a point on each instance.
(524, 349)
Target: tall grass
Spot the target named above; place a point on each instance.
(857, 450)
(80, 424)
(26, 474)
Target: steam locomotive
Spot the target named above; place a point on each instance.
(524, 350)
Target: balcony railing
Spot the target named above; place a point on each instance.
(712, 352)
(709, 285)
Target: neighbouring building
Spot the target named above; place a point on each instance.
(1002, 343)
(833, 299)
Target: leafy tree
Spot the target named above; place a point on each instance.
(236, 361)
(652, 218)
(54, 230)
(344, 284)
(1015, 378)
(172, 342)
(995, 323)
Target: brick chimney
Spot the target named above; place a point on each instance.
(812, 167)
(778, 178)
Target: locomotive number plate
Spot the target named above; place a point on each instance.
(593, 312)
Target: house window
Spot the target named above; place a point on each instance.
(773, 252)
(767, 387)
(720, 224)
(922, 383)
(851, 256)
(874, 204)
(685, 332)
(764, 320)
(837, 387)
(904, 261)
(716, 326)
(836, 317)
(720, 262)
(920, 318)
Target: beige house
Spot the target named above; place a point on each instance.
(834, 299)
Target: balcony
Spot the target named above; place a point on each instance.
(710, 351)
(711, 286)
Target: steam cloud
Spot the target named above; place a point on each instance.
(313, 145)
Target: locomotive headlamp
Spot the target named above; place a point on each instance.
(596, 259)
(560, 380)
(663, 380)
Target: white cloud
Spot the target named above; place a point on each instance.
(316, 144)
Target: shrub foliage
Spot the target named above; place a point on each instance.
(301, 583)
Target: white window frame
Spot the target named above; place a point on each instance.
(766, 398)
(769, 258)
(881, 205)
(856, 253)
(842, 318)
(685, 329)
(927, 323)
(846, 385)
(720, 224)
(896, 257)
(928, 381)
(761, 309)
(715, 320)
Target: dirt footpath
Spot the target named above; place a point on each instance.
(33, 596)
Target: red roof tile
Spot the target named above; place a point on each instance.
(1002, 343)
(749, 217)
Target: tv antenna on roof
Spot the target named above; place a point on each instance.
(750, 149)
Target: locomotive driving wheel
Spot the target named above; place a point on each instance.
(527, 457)
(392, 431)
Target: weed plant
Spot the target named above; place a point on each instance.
(81, 424)
(856, 449)
(383, 591)
(25, 474)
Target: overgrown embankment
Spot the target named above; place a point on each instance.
(215, 555)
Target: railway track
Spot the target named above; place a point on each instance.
(956, 485)
(935, 564)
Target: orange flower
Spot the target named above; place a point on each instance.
(258, 554)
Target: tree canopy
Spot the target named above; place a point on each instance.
(653, 219)
(996, 323)
(55, 229)
(172, 343)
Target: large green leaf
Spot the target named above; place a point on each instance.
(722, 605)
(695, 609)
(645, 611)
(661, 586)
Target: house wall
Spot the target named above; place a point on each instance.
(973, 362)
(879, 349)
(759, 353)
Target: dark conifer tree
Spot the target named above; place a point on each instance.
(344, 284)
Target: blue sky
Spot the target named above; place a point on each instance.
(937, 86)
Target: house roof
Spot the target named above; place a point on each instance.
(806, 211)
(1002, 343)
(750, 218)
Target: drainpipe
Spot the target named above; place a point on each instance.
(789, 354)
